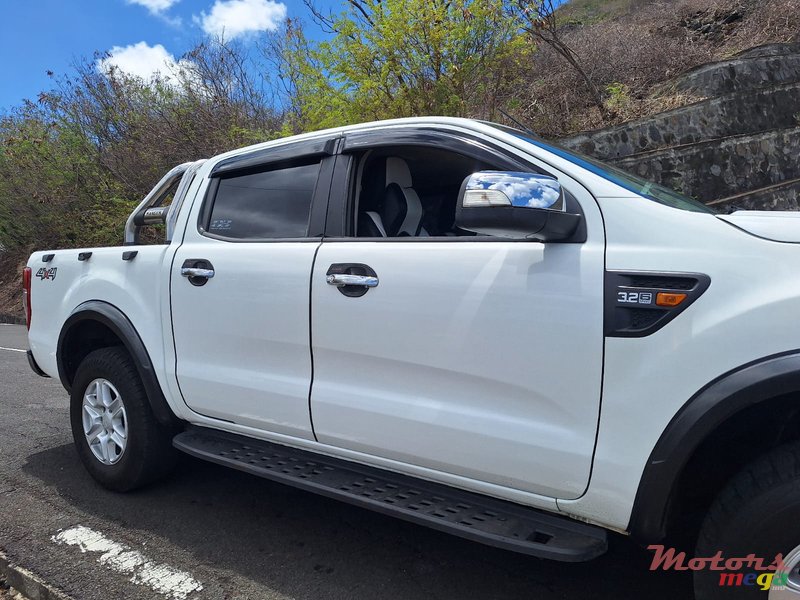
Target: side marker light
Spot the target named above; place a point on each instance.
(669, 300)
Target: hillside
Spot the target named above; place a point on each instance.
(595, 11)
(736, 148)
(630, 48)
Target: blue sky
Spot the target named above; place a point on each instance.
(41, 35)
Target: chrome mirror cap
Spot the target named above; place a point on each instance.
(509, 188)
(515, 205)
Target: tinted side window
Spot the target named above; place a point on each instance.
(271, 204)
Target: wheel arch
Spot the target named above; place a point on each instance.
(749, 409)
(96, 324)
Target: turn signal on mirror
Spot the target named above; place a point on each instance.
(669, 299)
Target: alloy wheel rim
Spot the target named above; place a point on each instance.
(791, 591)
(105, 423)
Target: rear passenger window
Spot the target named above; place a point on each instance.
(270, 204)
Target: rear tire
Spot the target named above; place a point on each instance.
(758, 513)
(117, 437)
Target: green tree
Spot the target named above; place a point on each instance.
(75, 162)
(394, 58)
(49, 181)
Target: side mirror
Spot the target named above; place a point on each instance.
(515, 205)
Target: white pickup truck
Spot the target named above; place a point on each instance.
(455, 323)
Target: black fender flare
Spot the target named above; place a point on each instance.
(113, 318)
(715, 403)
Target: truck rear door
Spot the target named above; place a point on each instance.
(240, 288)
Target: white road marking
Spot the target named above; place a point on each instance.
(12, 349)
(161, 578)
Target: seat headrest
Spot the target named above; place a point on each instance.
(397, 172)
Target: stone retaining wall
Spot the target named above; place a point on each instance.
(721, 168)
(783, 197)
(732, 114)
(739, 74)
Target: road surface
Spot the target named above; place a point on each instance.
(209, 532)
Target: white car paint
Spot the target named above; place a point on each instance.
(427, 368)
(778, 225)
(139, 288)
(242, 339)
(748, 312)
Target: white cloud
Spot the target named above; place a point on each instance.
(159, 8)
(234, 18)
(145, 62)
(155, 6)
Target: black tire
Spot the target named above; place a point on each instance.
(758, 513)
(148, 454)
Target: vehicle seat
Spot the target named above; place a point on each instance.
(400, 212)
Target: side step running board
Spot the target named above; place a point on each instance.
(472, 516)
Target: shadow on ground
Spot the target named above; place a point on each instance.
(309, 547)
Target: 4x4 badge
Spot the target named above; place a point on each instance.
(45, 274)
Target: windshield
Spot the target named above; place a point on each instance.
(643, 187)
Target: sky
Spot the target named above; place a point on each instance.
(37, 36)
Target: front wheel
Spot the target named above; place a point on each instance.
(116, 435)
(757, 513)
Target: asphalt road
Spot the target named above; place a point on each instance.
(243, 537)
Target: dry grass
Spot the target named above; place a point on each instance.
(594, 11)
(11, 288)
(767, 22)
(641, 44)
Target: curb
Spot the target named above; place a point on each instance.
(26, 583)
(12, 319)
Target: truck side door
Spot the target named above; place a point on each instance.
(472, 357)
(240, 288)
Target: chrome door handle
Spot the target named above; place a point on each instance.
(352, 279)
(342, 279)
(196, 272)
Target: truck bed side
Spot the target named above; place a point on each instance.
(137, 287)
